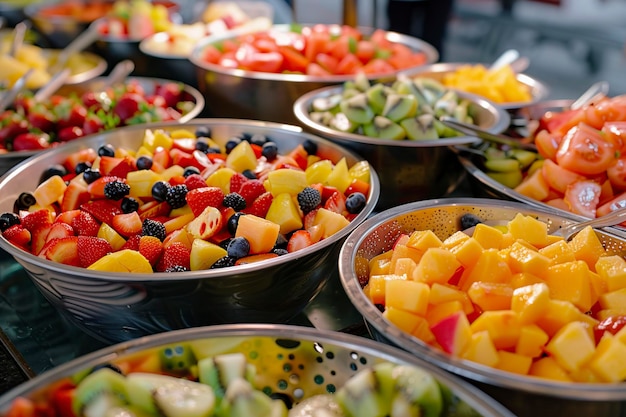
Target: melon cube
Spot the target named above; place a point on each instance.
(286, 181)
(441, 293)
(407, 295)
(204, 254)
(377, 287)
(491, 295)
(571, 346)
(436, 265)
(530, 302)
(529, 229)
(453, 333)
(558, 252)
(513, 362)
(481, 349)
(50, 191)
(171, 172)
(570, 282)
(547, 367)
(260, 233)
(181, 235)
(503, 326)
(401, 251)
(284, 212)
(587, 247)
(423, 240)
(612, 269)
(330, 221)
(422, 331)
(531, 342)
(467, 252)
(489, 237)
(524, 259)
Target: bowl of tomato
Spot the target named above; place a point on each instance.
(261, 74)
(578, 167)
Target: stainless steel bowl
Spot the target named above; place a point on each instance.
(539, 90)
(117, 307)
(409, 170)
(10, 159)
(525, 396)
(291, 361)
(97, 68)
(269, 96)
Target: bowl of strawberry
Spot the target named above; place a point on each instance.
(75, 111)
(261, 74)
(164, 226)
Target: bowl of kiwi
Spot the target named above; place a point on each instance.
(250, 370)
(396, 127)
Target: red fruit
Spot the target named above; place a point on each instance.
(96, 188)
(84, 155)
(67, 217)
(250, 190)
(12, 127)
(260, 205)
(200, 198)
(151, 248)
(336, 202)
(17, 235)
(127, 106)
(62, 250)
(92, 124)
(107, 163)
(300, 239)
(175, 254)
(194, 181)
(37, 219)
(74, 195)
(236, 181)
(31, 141)
(126, 165)
(71, 114)
(41, 119)
(102, 210)
(59, 230)
(309, 218)
(185, 144)
(69, 133)
(171, 92)
(127, 224)
(92, 248)
(85, 224)
(132, 243)
(38, 238)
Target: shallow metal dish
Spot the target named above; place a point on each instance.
(525, 396)
(116, 307)
(409, 170)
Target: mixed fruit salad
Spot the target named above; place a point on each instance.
(319, 50)
(182, 202)
(37, 125)
(409, 108)
(135, 19)
(182, 380)
(509, 296)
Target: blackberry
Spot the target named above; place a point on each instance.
(355, 202)
(258, 139)
(238, 247)
(469, 220)
(159, 190)
(24, 201)
(269, 151)
(281, 241)
(231, 143)
(143, 162)
(190, 170)
(310, 147)
(7, 220)
(82, 167)
(248, 173)
(176, 268)
(234, 200)
(129, 205)
(203, 131)
(106, 150)
(224, 262)
(116, 190)
(309, 199)
(232, 223)
(153, 228)
(280, 251)
(91, 174)
(175, 196)
(56, 169)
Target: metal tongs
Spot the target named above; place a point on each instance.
(7, 98)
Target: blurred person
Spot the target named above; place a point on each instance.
(423, 19)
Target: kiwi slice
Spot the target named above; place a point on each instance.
(377, 97)
(242, 400)
(357, 109)
(431, 89)
(341, 123)
(447, 104)
(400, 106)
(99, 391)
(322, 117)
(219, 371)
(417, 393)
(421, 127)
(367, 393)
(329, 103)
(382, 127)
(320, 405)
(126, 411)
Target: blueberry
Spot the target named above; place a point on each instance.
(231, 143)
(202, 146)
(106, 150)
(249, 174)
(56, 169)
(144, 162)
(159, 190)
(129, 205)
(238, 247)
(232, 222)
(24, 201)
(310, 147)
(7, 220)
(269, 151)
(355, 202)
(203, 131)
(91, 174)
(82, 167)
(469, 220)
(190, 170)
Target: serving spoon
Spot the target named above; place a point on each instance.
(86, 38)
(593, 93)
(512, 58)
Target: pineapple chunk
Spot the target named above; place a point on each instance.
(286, 181)
(318, 172)
(330, 221)
(221, 179)
(110, 235)
(436, 265)
(241, 157)
(141, 182)
(50, 191)
(340, 177)
(204, 254)
(283, 212)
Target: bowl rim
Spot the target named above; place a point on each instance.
(479, 400)
(464, 368)
(539, 88)
(21, 256)
(160, 37)
(302, 104)
(195, 57)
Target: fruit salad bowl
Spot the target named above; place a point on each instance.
(445, 325)
(284, 368)
(120, 295)
(253, 90)
(415, 164)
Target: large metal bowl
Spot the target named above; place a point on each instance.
(525, 396)
(539, 91)
(409, 170)
(291, 362)
(10, 159)
(269, 96)
(117, 307)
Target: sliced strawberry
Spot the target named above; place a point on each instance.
(84, 155)
(300, 155)
(59, 230)
(161, 157)
(184, 159)
(261, 205)
(154, 209)
(308, 219)
(185, 144)
(17, 235)
(38, 238)
(126, 165)
(336, 202)
(151, 248)
(74, 195)
(107, 163)
(102, 210)
(67, 216)
(327, 191)
(201, 198)
(85, 224)
(194, 181)
(127, 224)
(37, 219)
(300, 239)
(175, 254)
(92, 248)
(62, 250)
(250, 190)
(132, 243)
(236, 181)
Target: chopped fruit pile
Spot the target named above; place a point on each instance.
(407, 109)
(320, 50)
(179, 380)
(182, 202)
(32, 125)
(510, 297)
(136, 19)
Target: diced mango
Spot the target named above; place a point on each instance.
(571, 346)
(522, 279)
(423, 240)
(404, 266)
(436, 313)
(377, 287)
(331, 222)
(531, 342)
(609, 359)
(530, 302)
(613, 299)
(401, 251)
(455, 239)
(491, 295)
(524, 259)
(481, 349)
(467, 252)
(548, 368)
(379, 264)
(339, 177)
(489, 267)
(513, 362)
(407, 295)
(221, 179)
(284, 212)
(587, 247)
(405, 320)
(422, 330)
(558, 252)
(242, 157)
(612, 269)
(570, 282)
(557, 314)
(436, 265)
(489, 237)
(529, 229)
(503, 326)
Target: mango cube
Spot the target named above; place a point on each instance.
(612, 269)
(503, 326)
(491, 295)
(513, 362)
(613, 300)
(524, 259)
(490, 267)
(404, 320)
(407, 295)
(558, 252)
(609, 360)
(529, 229)
(481, 349)
(453, 333)
(331, 221)
(377, 287)
(570, 282)
(259, 232)
(436, 313)
(467, 252)
(454, 239)
(489, 237)
(549, 368)
(587, 247)
(424, 239)
(571, 346)
(284, 212)
(530, 302)
(436, 265)
(531, 342)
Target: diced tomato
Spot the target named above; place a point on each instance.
(617, 173)
(584, 150)
(560, 122)
(349, 64)
(582, 197)
(351, 32)
(547, 144)
(293, 60)
(228, 60)
(611, 325)
(328, 62)
(612, 205)
(265, 45)
(378, 66)
(62, 398)
(211, 54)
(615, 132)
(365, 50)
(265, 62)
(558, 177)
(317, 70)
(379, 37)
(299, 155)
(316, 43)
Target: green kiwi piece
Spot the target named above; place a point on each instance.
(357, 109)
(382, 127)
(341, 123)
(171, 396)
(443, 131)
(368, 392)
(421, 127)
(97, 390)
(328, 103)
(126, 411)
(447, 104)
(320, 405)
(417, 393)
(219, 371)
(377, 97)
(322, 117)
(242, 400)
(400, 106)
(361, 82)
(431, 89)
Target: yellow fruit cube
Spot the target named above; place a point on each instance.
(404, 320)
(522, 279)
(530, 302)
(490, 267)
(571, 346)
(339, 176)
(182, 134)
(221, 179)
(436, 265)
(481, 349)
(454, 239)
(141, 182)
(612, 269)
(155, 139)
(513, 362)
(171, 172)
(557, 314)
(467, 252)
(50, 191)
(407, 295)
(489, 237)
(437, 312)
(452, 333)
(524, 259)
(330, 221)
(259, 232)
(286, 181)
(491, 295)
(110, 235)
(587, 247)
(401, 251)
(548, 368)
(377, 287)
(570, 281)
(284, 212)
(242, 157)
(558, 252)
(442, 293)
(422, 331)
(423, 240)
(204, 254)
(404, 266)
(609, 360)
(379, 264)
(529, 229)
(531, 342)
(124, 261)
(360, 171)
(503, 326)
(613, 300)
(318, 172)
